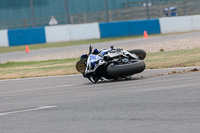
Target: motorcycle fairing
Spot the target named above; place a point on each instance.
(104, 51)
(92, 59)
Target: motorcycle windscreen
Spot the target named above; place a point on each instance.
(81, 66)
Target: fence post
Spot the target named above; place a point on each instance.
(24, 23)
(67, 12)
(147, 9)
(186, 7)
(106, 10)
(32, 12)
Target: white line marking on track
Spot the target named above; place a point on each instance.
(27, 110)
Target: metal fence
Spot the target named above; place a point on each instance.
(34, 13)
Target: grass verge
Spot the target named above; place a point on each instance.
(171, 59)
(12, 70)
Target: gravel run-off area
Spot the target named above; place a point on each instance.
(152, 44)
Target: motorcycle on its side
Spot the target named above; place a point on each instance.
(111, 63)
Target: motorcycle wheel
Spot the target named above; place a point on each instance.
(125, 69)
(81, 66)
(139, 52)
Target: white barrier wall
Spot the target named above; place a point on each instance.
(195, 22)
(179, 24)
(85, 31)
(63, 33)
(175, 24)
(60, 33)
(4, 38)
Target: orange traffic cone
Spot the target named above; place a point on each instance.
(145, 34)
(27, 49)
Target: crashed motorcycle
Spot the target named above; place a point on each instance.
(111, 64)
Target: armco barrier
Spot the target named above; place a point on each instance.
(138, 27)
(63, 33)
(26, 36)
(4, 38)
(128, 28)
(114, 29)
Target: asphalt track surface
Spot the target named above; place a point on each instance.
(71, 104)
(4, 57)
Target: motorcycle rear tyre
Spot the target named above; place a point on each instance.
(139, 52)
(125, 69)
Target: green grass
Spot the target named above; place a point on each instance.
(178, 58)
(36, 63)
(14, 70)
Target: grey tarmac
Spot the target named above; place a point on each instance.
(71, 104)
